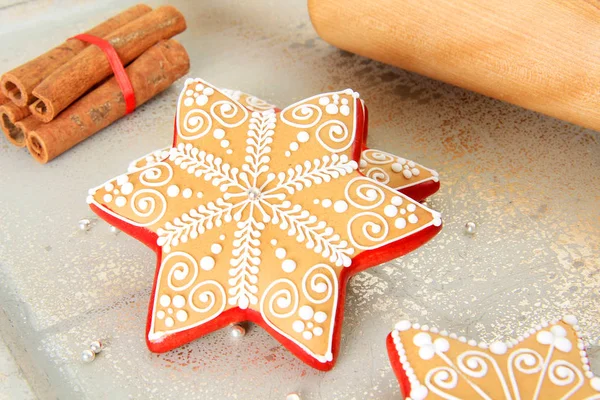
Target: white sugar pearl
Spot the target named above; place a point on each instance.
(87, 356)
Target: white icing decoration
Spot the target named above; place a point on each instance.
(307, 335)
(390, 164)
(280, 253)
(320, 317)
(187, 193)
(390, 211)
(181, 315)
(498, 348)
(318, 331)
(397, 201)
(400, 223)
(107, 197)
(127, 188)
(326, 203)
(216, 248)
(288, 266)
(303, 136)
(412, 218)
(207, 263)
(298, 326)
(178, 301)
(306, 312)
(172, 191)
(120, 201)
(165, 300)
(411, 208)
(340, 206)
(169, 322)
(219, 133)
(160, 314)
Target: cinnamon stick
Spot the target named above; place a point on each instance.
(10, 114)
(151, 73)
(18, 83)
(26, 125)
(91, 66)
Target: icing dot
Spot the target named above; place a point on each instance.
(199, 87)
(324, 101)
(127, 188)
(229, 151)
(160, 315)
(595, 382)
(390, 211)
(187, 193)
(412, 218)
(207, 263)
(411, 207)
(170, 310)
(303, 136)
(219, 133)
(208, 91)
(320, 317)
(294, 146)
(400, 223)
(121, 201)
(298, 326)
(188, 101)
(224, 143)
(340, 206)
(397, 201)
(201, 100)
(273, 242)
(331, 109)
(181, 315)
(310, 325)
(189, 92)
(199, 195)
(164, 300)
(108, 197)
(169, 322)
(402, 211)
(288, 265)
(178, 301)
(415, 172)
(216, 248)
(280, 253)
(419, 392)
(407, 174)
(318, 331)
(287, 154)
(403, 326)
(316, 201)
(307, 335)
(109, 187)
(306, 312)
(397, 167)
(222, 237)
(498, 348)
(326, 203)
(172, 191)
(345, 110)
(363, 164)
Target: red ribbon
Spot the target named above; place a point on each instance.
(117, 67)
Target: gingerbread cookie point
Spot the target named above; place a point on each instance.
(260, 216)
(548, 361)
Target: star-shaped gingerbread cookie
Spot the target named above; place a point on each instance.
(261, 216)
(406, 176)
(547, 362)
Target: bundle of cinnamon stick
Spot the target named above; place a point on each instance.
(69, 93)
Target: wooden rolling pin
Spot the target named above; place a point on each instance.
(540, 54)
